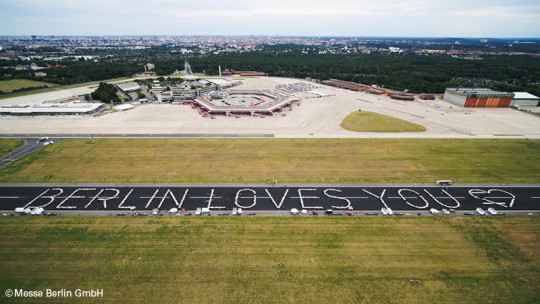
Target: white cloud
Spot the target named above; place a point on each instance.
(365, 17)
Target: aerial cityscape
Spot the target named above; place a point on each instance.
(277, 152)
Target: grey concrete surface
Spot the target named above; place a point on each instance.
(316, 117)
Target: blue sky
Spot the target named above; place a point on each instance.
(421, 18)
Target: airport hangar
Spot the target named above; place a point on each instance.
(478, 98)
(525, 99)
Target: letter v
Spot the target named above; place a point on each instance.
(278, 206)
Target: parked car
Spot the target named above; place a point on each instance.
(480, 211)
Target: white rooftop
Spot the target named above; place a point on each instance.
(223, 81)
(124, 107)
(524, 95)
(128, 86)
(51, 108)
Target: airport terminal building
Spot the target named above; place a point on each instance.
(478, 98)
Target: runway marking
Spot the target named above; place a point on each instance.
(205, 197)
(405, 112)
(8, 197)
(496, 197)
(462, 132)
(435, 197)
(341, 197)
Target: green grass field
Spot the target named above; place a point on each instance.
(287, 160)
(7, 145)
(362, 121)
(10, 85)
(60, 87)
(274, 259)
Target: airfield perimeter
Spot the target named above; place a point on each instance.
(305, 259)
(316, 117)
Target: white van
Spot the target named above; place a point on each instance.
(198, 211)
(480, 211)
(492, 211)
(444, 182)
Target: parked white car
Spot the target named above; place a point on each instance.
(480, 211)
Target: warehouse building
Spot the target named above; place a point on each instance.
(478, 98)
(129, 87)
(525, 99)
(52, 109)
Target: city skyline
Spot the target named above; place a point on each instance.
(389, 18)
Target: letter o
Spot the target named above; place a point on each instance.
(238, 196)
(412, 205)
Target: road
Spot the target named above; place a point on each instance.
(268, 198)
(31, 144)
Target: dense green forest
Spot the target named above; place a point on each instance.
(416, 73)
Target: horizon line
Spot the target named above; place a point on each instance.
(267, 35)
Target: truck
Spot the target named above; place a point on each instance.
(444, 182)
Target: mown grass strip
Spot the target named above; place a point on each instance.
(16, 84)
(344, 161)
(273, 259)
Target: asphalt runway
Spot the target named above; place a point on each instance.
(364, 198)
